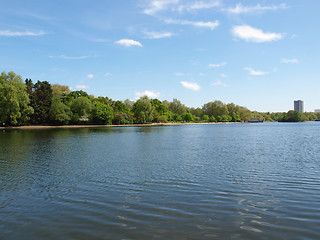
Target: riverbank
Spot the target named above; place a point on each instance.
(95, 126)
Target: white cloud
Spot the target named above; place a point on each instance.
(218, 83)
(107, 74)
(180, 74)
(159, 5)
(90, 76)
(150, 94)
(192, 86)
(157, 35)
(223, 75)
(82, 87)
(254, 72)
(211, 25)
(212, 65)
(128, 43)
(69, 57)
(198, 5)
(8, 33)
(254, 9)
(251, 34)
(293, 60)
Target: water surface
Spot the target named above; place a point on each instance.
(230, 181)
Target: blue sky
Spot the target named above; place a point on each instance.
(258, 54)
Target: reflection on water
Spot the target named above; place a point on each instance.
(235, 181)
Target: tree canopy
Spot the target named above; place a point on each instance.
(26, 102)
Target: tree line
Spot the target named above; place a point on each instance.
(42, 103)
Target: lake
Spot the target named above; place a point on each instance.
(219, 181)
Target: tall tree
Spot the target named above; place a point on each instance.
(14, 100)
(143, 110)
(101, 113)
(81, 107)
(216, 108)
(177, 107)
(60, 113)
(41, 98)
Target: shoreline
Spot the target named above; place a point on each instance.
(107, 126)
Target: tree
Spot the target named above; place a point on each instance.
(205, 118)
(244, 114)
(177, 107)
(212, 119)
(187, 117)
(14, 100)
(81, 108)
(293, 116)
(216, 108)
(60, 91)
(161, 112)
(121, 113)
(101, 113)
(60, 113)
(40, 99)
(143, 110)
(76, 94)
(176, 117)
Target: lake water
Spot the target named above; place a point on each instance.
(229, 181)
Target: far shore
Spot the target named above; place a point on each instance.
(95, 126)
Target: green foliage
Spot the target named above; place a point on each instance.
(293, 116)
(205, 118)
(76, 94)
(59, 112)
(187, 117)
(216, 108)
(143, 110)
(244, 114)
(177, 107)
(14, 100)
(101, 113)
(196, 119)
(176, 117)
(42, 103)
(81, 108)
(40, 100)
(161, 112)
(60, 91)
(212, 119)
(236, 118)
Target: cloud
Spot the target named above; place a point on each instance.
(107, 74)
(211, 25)
(254, 72)
(69, 57)
(198, 5)
(149, 94)
(218, 83)
(293, 60)
(192, 86)
(159, 5)
(128, 43)
(258, 8)
(90, 76)
(212, 65)
(82, 87)
(223, 75)
(180, 74)
(158, 35)
(8, 33)
(251, 34)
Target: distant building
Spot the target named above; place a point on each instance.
(256, 120)
(298, 106)
(317, 110)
